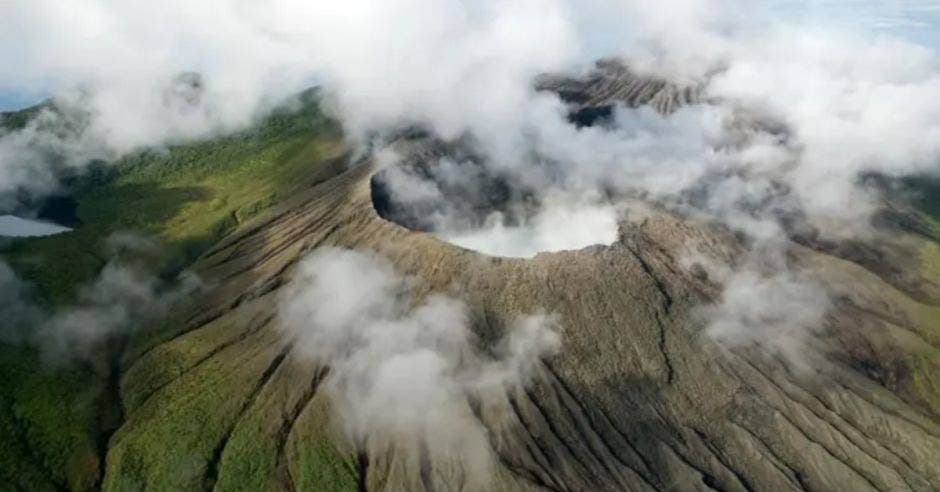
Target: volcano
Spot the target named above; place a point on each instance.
(639, 397)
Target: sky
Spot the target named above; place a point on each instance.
(12, 99)
(914, 20)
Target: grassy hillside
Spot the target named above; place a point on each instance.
(924, 365)
(926, 197)
(186, 196)
(54, 422)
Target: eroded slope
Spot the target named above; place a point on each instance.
(637, 399)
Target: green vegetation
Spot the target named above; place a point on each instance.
(186, 196)
(18, 119)
(923, 364)
(173, 440)
(52, 420)
(47, 423)
(924, 193)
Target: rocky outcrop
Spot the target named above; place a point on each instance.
(610, 82)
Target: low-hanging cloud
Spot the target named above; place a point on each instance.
(400, 370)
(790, 119)
(124, 297)
(766, 303)
(123, 76)
(843, 115)
(467, 68)
(17, 308)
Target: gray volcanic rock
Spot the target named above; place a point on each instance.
(638, 398)
(613, 82)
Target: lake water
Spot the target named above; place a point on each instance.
(13, 226)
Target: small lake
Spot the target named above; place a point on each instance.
(13, 226)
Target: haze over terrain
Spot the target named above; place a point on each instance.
(425, 244)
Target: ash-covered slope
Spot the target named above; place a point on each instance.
(637, 399)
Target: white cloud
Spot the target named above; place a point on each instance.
(399, 369)
(123, 74)
(125, 296)
(17, 310)
(765, 303)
